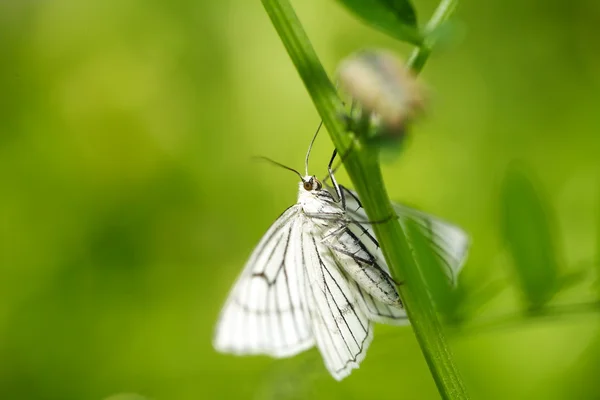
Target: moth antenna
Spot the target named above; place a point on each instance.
(311, 145)
(279, 165)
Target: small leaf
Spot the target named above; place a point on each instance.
(396, 18)
(573, 278)
(526, 229)
(480, 297)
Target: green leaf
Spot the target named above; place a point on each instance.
(573, 278)
(396, 18)
(526, 229)
(481, 296)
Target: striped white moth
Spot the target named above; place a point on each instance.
(318, 277)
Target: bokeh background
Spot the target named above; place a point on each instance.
(129, 201)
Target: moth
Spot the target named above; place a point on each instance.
(318, 278)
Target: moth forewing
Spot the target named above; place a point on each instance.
(264, 310)
(341, 328)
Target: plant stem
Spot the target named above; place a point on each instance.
(362, 166)
(419, 56)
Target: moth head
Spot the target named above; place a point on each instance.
(311, 183)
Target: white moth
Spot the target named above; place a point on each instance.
(318, 277)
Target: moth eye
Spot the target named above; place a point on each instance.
(308, 185)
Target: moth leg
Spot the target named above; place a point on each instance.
(376, 222)
(334, 232)
(331, 216)
(339, 217)
(338, 191)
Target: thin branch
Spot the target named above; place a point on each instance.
(420, 55)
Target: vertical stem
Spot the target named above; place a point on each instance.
(419, 56)
(363, 168)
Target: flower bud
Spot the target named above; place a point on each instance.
(383, 87)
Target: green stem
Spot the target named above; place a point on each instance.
(363, 168)
(419, 56)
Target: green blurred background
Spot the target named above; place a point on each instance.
(129, 201)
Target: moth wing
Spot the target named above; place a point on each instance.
(266, 311)
(449, 242)
(340, 326)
